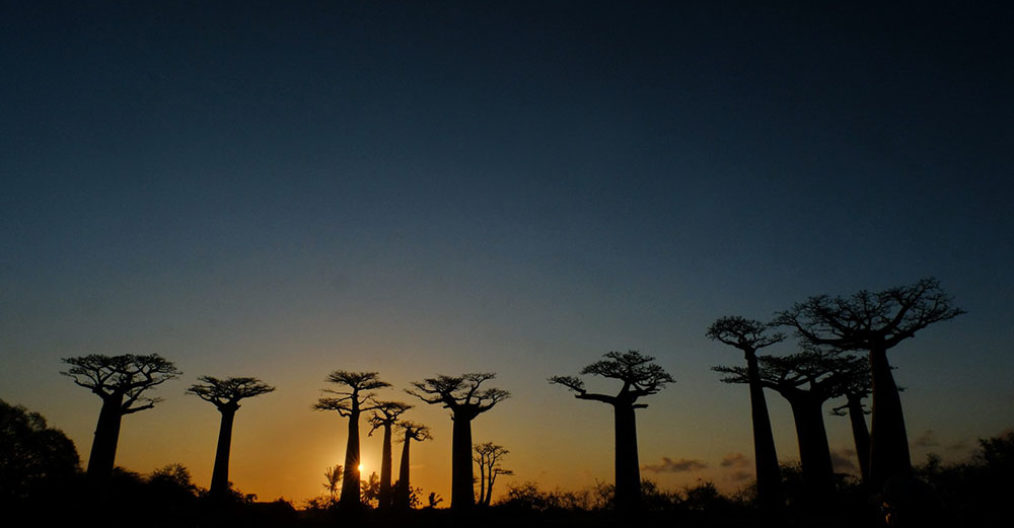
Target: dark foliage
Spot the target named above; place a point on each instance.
(976, 491)
(36, 461)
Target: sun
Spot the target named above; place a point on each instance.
(360, 468)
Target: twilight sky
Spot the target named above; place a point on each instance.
(282, 189)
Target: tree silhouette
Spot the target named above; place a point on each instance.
(225, 395)
(350, 403)
(488, 456)
(751, 336)
(806, 380)
(386, 415)
(332, 477)
(854, 386)
(403, 490)
(36, 461)
(641, 377)
(462, 395)
(371, 488)
(875, 322)
(121, 382)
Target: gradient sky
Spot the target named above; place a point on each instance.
(284, 189)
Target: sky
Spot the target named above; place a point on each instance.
(284, 189)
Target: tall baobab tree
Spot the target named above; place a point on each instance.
(225, 395)
(488, 456)
(121, 382)
(463, 396)
(350, 403)
(875, 322)
(385, 416)
(402, 490)
(641, 377)
(855, 386)
(806, 380)
(750, 336)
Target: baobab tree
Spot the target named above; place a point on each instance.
(806, 380)
(121, 382)
(641, 377)
(875, 322)
(855, 385)
(463, 396)
(750, 336)
(350, 403)
(225, 395)
(402, 489)
(488, 456)
(385, 416)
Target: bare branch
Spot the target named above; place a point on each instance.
(638, 372)
(123, 378)
(227, 393)
(459, 393)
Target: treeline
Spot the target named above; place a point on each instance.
(842, 347)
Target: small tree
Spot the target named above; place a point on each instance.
(403, 489)
(121, 382)
(350, 403)
(463, 396)
(641, 377)
(875, 322)
(385, 416)
(225, 395)
(488, 456)
(371, 488)
(332, 479)
(750, 336)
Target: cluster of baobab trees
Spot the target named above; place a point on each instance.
(121, 381)
(463, 395)
(830, 329)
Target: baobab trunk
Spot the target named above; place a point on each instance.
(401, 493)
(814, 454)
(628, 473)
(385, 470)
(462, 497)
(482, 482)
(220, 475)
(769, 480)
(861, 435)
(350, 496)
(889, 456)
(489, 490)
(103, 452)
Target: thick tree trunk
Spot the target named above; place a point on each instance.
(350, 497)
(889, 456)
(385, 471)
(861, 435)
(462, 495)
(628, 472)
(220, 475)
(401, 493)
(814, 454)
(769, 480)
(103, 452)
